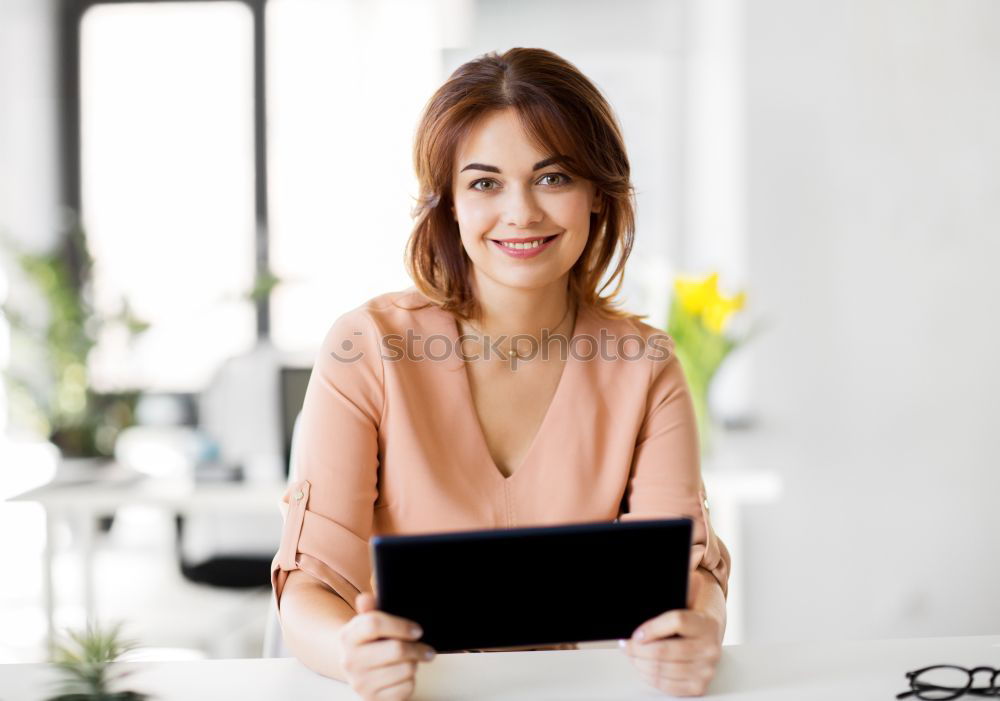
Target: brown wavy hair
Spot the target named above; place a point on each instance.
(563, 113)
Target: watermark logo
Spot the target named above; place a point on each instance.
(412, 347)
(352, 352)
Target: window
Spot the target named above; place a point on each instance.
(346, 82)
(170, 143)
(167, 184)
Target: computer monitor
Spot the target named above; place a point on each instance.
(293, 383)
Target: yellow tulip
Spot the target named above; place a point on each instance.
(694, 294)
(701, 297)
(717, 313)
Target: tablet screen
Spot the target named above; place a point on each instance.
(533, 585)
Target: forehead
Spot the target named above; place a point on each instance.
(498, 139)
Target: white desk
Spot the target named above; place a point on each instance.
(837, 671)
(731, 483)
(82, 503)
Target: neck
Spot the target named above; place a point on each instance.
(511, 311)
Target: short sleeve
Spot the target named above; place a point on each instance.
(665, 478)
(329, 504)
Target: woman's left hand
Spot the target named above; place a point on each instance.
(680, 649)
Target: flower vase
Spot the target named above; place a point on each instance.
(698, 382)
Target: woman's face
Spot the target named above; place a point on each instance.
(500, 196)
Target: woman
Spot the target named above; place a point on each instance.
(501, 389)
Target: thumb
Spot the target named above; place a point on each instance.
(694, 587)
(364, 602)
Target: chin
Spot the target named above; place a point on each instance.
(525, 280)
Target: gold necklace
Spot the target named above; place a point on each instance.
(512, 352)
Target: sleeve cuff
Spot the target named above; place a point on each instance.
(319, 546)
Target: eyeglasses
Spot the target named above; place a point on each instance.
(946, 681)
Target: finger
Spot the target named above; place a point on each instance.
(675, 671)
(671, 677)
(672, 687)
(382, 653)
(385, 678)
(671, 650)
(377, 625)
(390, 674)
(396, 692)
(365, 602)
(683, 622)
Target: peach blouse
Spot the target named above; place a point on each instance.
(389, 442)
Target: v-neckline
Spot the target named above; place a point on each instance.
(569, 367)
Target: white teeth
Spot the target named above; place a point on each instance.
(519, 246)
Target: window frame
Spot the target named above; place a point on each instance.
(69, 139)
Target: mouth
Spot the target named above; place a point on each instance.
(524, 247)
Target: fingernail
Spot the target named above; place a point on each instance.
(428, 655)
(416, 631)
(640, 635)
(621, 642)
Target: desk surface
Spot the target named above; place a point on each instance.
(104, 497)
(100, 491)
(838, 671)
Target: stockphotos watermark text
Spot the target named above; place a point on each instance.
(441, 347)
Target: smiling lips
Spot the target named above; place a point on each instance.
(526, 247)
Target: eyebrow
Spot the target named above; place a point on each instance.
(494, 169)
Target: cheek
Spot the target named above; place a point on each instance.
(575, 215)
(473, 216)
(580, 209)
(569, 211)
(472, 230)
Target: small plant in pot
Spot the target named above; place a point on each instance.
(86, 663)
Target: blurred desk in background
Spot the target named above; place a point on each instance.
(82, 498)
(733, 479)
(743, 468)
(810, 671)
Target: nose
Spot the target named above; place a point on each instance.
(520, 208)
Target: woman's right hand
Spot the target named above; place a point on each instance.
(379, 654)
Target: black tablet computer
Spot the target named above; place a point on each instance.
(535, 585)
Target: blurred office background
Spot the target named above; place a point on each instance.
(240, 174)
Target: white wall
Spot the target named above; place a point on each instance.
(874, 204)
(29, 184)
(28, 176)
(633, 52)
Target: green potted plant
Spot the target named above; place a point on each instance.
(47, 382)
(86, 664)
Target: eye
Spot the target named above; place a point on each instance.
(472, 185)
(565, 180)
